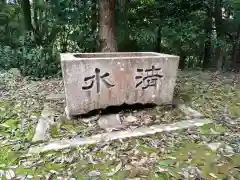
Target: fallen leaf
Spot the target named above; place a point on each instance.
(2, 165)
(159, 169)
(118, 167)
(5, 125)
(212, 175)
(94, 173)
(10, 174)
(91, 160)
(171, 157)
(163, 163)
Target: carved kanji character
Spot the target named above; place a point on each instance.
(150, 79)
(97, 78)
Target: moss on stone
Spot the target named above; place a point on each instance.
(69, 127)
(54, 131)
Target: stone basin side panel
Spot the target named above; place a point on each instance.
(98, 83)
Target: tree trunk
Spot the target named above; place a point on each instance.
(25, 4)
(182, 60)
(208, 31)
(219, 58)
(107, 25)
(207, 54)
(235, 50)
(220, 34)
(125, 43)
(37, 18)
(159, 39)
(94, 20)
(237, 62)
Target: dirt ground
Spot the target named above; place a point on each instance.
(208, 152)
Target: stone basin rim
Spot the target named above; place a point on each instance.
(114, 56)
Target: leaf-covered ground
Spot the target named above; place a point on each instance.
(178, 155)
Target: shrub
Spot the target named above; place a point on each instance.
(37, 61)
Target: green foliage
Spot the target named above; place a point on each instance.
(10, 28)
(168, 26)
(58, 27)
(38, 61)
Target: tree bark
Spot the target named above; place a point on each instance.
(219, 58)
(235, 50)
(220, 34)
(208, 32)
(207, 53)
(32, 23)
(237, 62)
(94, 23)
(125, 43)
(25, 4)
(107, 25)
(159, 39)
(37, 18)
(182, 60)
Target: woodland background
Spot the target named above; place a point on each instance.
(204, 33)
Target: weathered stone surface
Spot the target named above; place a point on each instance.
(42, 131)
(91, 119)
(98, 80)
(55, 97)
(188, 111)
(110, 122)
(141, 131)
(130, 119)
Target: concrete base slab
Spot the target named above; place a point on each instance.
(55, 97)
(104, 137)
(188, 111)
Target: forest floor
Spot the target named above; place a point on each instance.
(208, 152)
